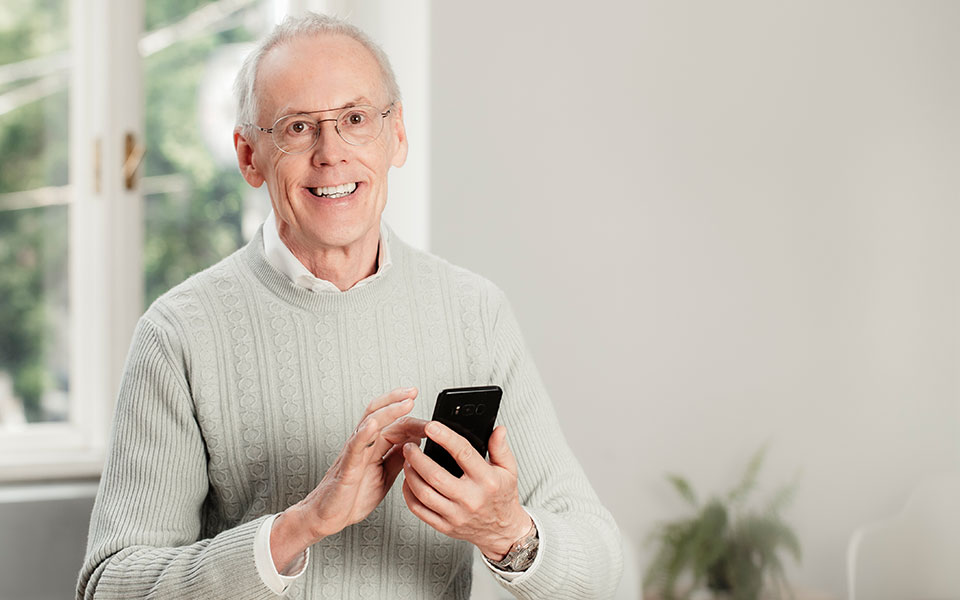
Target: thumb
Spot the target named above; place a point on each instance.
(392, 465)
(500, 453)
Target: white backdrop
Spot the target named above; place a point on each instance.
(720, 224)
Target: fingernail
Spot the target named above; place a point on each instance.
(408, 447)
(409, 389)
(432, 427)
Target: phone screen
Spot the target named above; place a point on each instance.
(469, 411)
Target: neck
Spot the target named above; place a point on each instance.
(343, 266)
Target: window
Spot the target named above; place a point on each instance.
(119, 181)
(36, 88)
(88, 234)
(198, 208)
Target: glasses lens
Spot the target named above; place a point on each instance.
(295, 133)
(359, 124)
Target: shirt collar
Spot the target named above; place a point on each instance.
(283, 260)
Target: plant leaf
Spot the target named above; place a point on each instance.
(749, 480)
(672, 558)
(781, 499)
(683, 488)
(709, 543)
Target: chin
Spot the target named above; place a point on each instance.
(338, 235)
(336, 222)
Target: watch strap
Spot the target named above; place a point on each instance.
(522, 553)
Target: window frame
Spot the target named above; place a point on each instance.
(105, 243)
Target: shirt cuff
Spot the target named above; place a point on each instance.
(512, 575)
(274, 580)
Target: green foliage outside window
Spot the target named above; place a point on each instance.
(189, 229)
(33, 259)
(189, 225)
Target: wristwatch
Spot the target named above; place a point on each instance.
(522, 553)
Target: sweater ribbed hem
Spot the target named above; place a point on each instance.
(220, 567)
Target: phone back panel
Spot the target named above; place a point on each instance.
(469, 411)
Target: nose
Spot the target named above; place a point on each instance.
(330, 148)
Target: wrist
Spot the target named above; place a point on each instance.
(519, 528)
(522, 553)
(312, 528)
(290, 537)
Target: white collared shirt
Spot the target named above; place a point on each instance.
(284, 260)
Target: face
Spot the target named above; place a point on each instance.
(311, 74)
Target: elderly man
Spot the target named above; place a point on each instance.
(248, 459)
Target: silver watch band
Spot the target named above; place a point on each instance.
(522, 553)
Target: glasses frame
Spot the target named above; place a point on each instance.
(336, 125)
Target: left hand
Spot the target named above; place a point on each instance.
(481, 507)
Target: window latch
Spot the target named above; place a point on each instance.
(134, 152)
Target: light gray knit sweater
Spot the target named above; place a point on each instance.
(240, 390)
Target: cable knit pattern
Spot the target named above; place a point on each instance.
(239, 392)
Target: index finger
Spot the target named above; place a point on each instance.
(368, 432)
(404, 429)
(394, 395)
(459, 448)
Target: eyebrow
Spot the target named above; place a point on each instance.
(356, 101)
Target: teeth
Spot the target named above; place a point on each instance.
(335, 191)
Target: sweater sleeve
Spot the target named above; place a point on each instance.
(579, 540)
(144, 538)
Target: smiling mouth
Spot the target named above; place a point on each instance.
(334, 191)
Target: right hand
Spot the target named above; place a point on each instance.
(357, 481)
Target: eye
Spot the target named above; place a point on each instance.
(355, 118)
(300, 127)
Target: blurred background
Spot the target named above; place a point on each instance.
(721, 225)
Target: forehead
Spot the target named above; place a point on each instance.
(317, 72)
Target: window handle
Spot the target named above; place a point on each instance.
(134, 151)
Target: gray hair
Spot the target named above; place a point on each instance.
(293, 27)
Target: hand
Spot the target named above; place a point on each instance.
(357, 481)
(481, 507)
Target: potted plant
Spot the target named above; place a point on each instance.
(732, 550)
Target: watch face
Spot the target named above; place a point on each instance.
(524, 551)
(525, 554)
(523, 559)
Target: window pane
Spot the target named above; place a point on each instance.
(198, 208)
(34, 79)
(33, 315)
(34, 75)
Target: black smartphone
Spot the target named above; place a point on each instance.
(469, 411)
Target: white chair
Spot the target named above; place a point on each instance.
(913, 555)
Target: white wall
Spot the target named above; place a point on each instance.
(720, 224)
(403, 30)
(44, 529)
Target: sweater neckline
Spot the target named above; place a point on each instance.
(253, 256)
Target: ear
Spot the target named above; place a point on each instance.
(400, 133)
(248, 169)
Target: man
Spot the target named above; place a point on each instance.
(252, 381)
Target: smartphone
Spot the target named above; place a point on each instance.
(469, 411)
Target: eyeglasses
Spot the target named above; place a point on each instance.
(356, 125)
